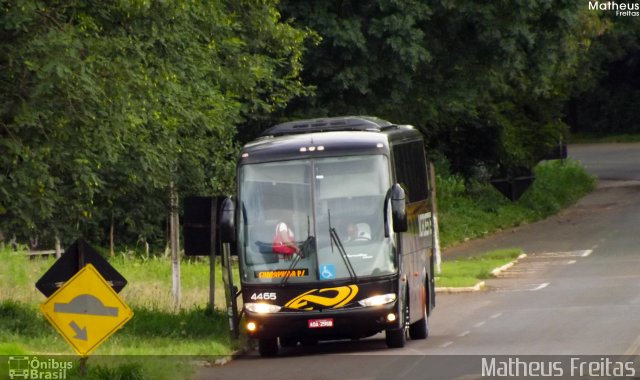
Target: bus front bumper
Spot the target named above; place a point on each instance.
(328, 324)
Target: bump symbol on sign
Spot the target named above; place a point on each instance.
(86, 304)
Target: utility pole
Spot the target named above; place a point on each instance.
(212, 254)
(58, 248)
(175, 246)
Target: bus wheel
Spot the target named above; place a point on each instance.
(395, 338)
(420, 329)
(268, 347)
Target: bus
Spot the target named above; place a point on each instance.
(333, 227)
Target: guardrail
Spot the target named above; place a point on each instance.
(43, 253)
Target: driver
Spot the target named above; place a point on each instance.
(358, 232)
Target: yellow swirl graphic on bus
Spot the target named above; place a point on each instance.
(327, 297)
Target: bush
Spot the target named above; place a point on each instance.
(475, 209)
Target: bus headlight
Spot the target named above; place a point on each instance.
(382, 299)
(262, 308)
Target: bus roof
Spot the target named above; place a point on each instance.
(329, 124)
(341, 136)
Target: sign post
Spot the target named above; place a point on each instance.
(230, 290)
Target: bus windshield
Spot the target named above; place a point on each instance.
(288, 208)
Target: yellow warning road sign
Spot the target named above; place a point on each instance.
(86, 310)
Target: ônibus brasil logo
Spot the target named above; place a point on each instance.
(33, 368)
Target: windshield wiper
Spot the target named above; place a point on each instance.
(295, 261)
(335, 239)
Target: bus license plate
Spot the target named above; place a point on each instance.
(320, 323)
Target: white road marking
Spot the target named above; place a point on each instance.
(520, 288)
(479, 324)
(446, 344)
(496, 315)
(541, 286)
(464, 333)
(571, 262)
(633, 349)
(563, 254)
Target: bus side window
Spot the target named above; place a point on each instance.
(411, 170)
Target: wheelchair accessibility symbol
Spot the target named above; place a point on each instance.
(327, 272)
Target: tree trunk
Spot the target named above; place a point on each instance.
(111, 243)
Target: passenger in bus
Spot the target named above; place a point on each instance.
(284, 242)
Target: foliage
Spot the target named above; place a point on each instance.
(470, 213)
(485, 82)
(104, 104)
(608, 102)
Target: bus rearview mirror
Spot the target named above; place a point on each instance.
(396, 196)
(398, 208)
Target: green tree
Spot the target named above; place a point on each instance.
(103, 105)
(606, 99)
(459, 70)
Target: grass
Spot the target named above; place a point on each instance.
(156, 330)
(150, 332)
(469, 271)
(149, 280)
(474, 211)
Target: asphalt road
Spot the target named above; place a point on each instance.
(576, 293)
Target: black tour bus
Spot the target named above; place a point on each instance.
(333, 230)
